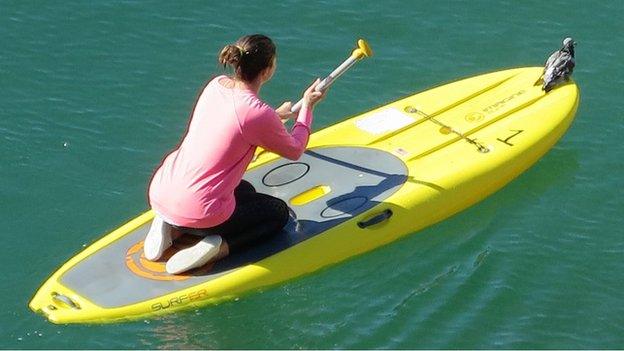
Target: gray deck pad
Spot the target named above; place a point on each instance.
(359, 178)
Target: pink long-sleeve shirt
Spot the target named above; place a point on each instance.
(194, 186)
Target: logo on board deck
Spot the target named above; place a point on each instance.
(499, 104)
(474, 117)
(142, 267)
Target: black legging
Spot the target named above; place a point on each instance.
(256, 217)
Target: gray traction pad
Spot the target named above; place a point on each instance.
(360, 178)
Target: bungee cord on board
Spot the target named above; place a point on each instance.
(448, 129)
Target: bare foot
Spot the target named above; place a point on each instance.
(175, 233)
(224, 251)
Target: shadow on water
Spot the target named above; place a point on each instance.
(554, 172)
(463, 243)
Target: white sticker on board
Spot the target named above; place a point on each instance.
(384, 121)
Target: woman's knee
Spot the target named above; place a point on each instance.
(282, 213)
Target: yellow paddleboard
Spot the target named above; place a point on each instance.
(363, 183)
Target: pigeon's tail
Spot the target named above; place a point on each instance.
(539, 81)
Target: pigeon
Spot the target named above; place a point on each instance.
(559, 66)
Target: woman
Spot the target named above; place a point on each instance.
(198, 189)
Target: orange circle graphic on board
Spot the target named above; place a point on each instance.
(142, 267)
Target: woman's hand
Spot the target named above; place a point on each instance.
(284, 111)
(312, 97)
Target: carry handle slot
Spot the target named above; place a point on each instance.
(376, 219)
(59, 298)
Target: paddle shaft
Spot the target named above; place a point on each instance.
(329, 80)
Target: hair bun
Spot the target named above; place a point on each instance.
(230, 55)
(248, 56)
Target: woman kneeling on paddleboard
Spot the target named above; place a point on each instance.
(198, 189)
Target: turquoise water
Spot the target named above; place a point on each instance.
(94, 93)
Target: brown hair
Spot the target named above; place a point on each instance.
(248, 56)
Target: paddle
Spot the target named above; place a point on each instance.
(362, 50)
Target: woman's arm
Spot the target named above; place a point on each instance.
(267, 131)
